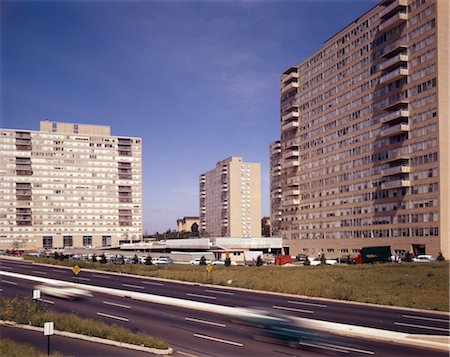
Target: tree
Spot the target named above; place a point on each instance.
(94, 258)
(323, 260)
(408, 257)
(103, 259)
(135, 259)
(259, 261)
(202, 260)
(148, 260)
(227, 261)
(56, 255)
(440, 257)
(194, 228)
(307, 262)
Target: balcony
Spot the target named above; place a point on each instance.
(398, 103)
(290, 115)
(397, 19)
(292, 75)
(394, 116)
(394, 48)
(291, 163)
(394, 6)
(396, 184)
(290, 125)
(292, 202)
(294, 192)
(401, 58)
(22, 135)
(125, 177)
(395, 130)
(396, 170)
(24, 172)
(397, 157)
(23, 147)
(289, 87)
(394, 75)
(291, 153)
(125, 199)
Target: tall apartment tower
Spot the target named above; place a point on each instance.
(365, 136)
(230, 199)
(69, 185)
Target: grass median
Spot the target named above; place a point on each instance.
(29, 312)
(10, 348)
(412, 285)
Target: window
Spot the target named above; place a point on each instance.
(87, 240)
(67, 241)
(106, 241)
(47, 242)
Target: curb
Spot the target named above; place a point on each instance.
(437, 312)
(91, 339)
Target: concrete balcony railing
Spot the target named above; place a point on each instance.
(288, 77)
(394, 130)
(394, 75)
(291, 154)
(290, 115)
(395, 47)
(396, 184)
(396, 170)
(292, 202)
(396, 5)
(291, 163)
(394, 115)
(393, 21)
(295, 192)
(289, 87)
(290, 125)
(396, 104)
(400, 58)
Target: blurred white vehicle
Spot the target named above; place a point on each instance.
(222, 262)
(63, 292)
(197, 261)
(423, 259)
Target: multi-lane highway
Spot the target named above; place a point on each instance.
(192, 332)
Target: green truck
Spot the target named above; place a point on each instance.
(380, 254)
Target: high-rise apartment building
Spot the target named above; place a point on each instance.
(230, 199)
(69, 185)
(275, 188)
(365, 136)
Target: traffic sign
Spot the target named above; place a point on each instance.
(48, 328)
(76, 269)
(209, 267)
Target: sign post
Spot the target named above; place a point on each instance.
(48, 331)
(36, 294)
(209, 269)
(76, 270)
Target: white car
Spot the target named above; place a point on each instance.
(315, 261)
(197, 261)
(222, 262)
(63, 292)
(423, 259)
(163, 260)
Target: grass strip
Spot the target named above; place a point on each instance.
(13, 349)
(27, 311)
(411, 285)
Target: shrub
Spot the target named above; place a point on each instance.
(148, 260)
(202, 260)
(13, 349)
(94, 258)
(227, 261)
(307, 262)
(103, 259)
(323, 259)
(135, 259)
(440, 257)
(259, 261)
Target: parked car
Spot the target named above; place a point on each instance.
(315, 261)
(423, 259)
(197, 261)
(163, 260)
(222, 262)
(301, 257)
(331, 262)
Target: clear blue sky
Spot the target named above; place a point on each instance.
(197, 80)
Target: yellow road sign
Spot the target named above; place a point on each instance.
(209, 267)
(76, 269)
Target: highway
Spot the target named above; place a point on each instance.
(199, 333)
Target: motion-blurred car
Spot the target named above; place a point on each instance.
(63, 292)
(222, 262)
(163, 260)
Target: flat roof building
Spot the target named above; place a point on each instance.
(185, 224)
(69, 185)
(230, 200)
(365, 136)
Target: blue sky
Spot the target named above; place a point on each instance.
(197, 80)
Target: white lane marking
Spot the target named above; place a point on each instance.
(1, 289)
(7, 268)
(424, 318)
(204, 322)
(47, 301)
(80, 278)
(218, 340)
(323, 347)
(118, 305)
(219, 292)
(306, 303)
(292, 309)
(39, 272)
(101, 276)
(186, 354)
(152, 283)
(424, 327)
(113, 317)
(201, 296)
(9, 282)
(350, 349)
(133, 286)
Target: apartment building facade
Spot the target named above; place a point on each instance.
(230, 200)
(69, 185)
(365, 136)
(275, 189)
